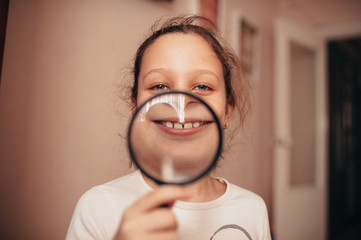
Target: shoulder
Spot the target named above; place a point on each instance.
(245, 198)
(240, 192)
(99, 209)
(121, 189)
(248, 207)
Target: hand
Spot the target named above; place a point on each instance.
(146, 219)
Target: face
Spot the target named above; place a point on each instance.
(184, 62)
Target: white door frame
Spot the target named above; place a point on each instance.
(298, 212)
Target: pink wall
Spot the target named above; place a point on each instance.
(59, 112)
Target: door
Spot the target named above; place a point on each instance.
(344, 68)
(300, 186)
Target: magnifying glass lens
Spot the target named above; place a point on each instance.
(174, 138)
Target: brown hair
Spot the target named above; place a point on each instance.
(237, 88)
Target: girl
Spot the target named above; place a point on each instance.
(180, 55)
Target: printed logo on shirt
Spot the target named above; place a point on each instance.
(231, 231)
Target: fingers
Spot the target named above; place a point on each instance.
(152, 223)
(146, 219)
(165, 195)
(161, 219)
(165, 235)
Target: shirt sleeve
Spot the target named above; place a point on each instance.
(93, 217)
(265, 226)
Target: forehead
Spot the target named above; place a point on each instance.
(181, 36)
(191, 40)
(175, 46)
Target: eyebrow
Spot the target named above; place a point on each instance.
(156, 70)
(205, 71)
(197, 72)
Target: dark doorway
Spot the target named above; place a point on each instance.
(4, 7)
(344, 69)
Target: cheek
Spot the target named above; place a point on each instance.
(142, 94)
(221, 114)
(142, 97)
(219, 108)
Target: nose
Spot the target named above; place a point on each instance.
(182, 84)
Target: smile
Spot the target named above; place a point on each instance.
(189, 126)
(177, 125)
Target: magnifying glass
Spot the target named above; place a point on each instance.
(174, 138)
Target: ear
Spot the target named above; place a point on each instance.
(229, 110)
(133, 104)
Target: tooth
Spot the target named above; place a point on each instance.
(169, 124)
(178, 125)
(196, 124)
(188, 125)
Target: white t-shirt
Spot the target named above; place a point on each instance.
(237, 214)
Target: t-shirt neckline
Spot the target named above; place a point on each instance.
(194, 205)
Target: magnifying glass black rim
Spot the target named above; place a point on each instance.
(210, 167)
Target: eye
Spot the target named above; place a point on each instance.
(159, 87)
(202, 87)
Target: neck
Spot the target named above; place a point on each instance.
(203, 190)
